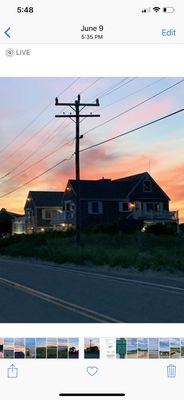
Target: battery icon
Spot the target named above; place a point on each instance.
(168, 9)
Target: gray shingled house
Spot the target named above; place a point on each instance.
(40, 209)
(121, 201)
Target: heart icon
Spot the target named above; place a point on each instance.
(92, 371)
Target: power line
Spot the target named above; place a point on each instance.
(38, 176)
(77, 107)
(103, 93)
(24, 160)
(107, 92)
(133, 107)
(135, 92)
(24, 144)
(132, 130)
(39, 161)
(117, 88)
(95, 145)
(35, 134)
(42, 111)
(35, 151)
(36, 117)
(131, 94)
(49, 153)
(92, 84)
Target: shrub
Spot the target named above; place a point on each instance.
(103, 228)
(162, 229)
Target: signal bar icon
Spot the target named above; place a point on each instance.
(146, 10)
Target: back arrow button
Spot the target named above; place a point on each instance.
(7, 33)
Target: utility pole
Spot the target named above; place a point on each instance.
(77, 107)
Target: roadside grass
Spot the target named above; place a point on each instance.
(144, 251)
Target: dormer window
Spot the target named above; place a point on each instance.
(147, 185)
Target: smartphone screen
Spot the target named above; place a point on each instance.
(91, 200)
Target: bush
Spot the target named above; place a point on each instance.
(181, 227)
(130, 225)
(162, 229)
(143, 251)
(103, 228)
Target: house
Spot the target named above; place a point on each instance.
(126, 201)
(11, 223)
(40, 209)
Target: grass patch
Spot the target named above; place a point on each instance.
(146, 251)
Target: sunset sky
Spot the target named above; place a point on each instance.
(91, 342)
(29, 132)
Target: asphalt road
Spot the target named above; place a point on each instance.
(36, 292)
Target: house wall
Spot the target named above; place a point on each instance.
(40, 220)
(37, 220)
(156, 195)
(109, 215)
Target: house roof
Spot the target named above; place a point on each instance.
(46, 199)
(10, 213)
(110, 189)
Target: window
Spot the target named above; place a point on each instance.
(29, 213)
(147, 186)
(123, 206)
(156, 207)
(72, 207)
(48, 214)
(69, 206)
(138, 205)
(95, 207)
(150, 207)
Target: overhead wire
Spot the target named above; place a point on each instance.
(132, 130)
(47, 142)
(36, 117)
(134, 107)
(93, 146)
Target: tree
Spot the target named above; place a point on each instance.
(5, 222)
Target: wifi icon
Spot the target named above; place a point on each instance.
(156, 9)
